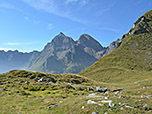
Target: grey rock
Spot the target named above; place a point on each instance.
(95, 112)
(94, 95)
(145, 106)
(69, 87)
(113, 46)
(90, 88)
(27, 82)
(100, 89)
(1, 89)
(82, 107)
(52, 106)
(21, 81)
(111, 104)
(115, 90)
(51, 80)
(41, 80)
(12, 106)
(148, 96)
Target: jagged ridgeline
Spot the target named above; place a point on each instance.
(132, 60)
(64, 55)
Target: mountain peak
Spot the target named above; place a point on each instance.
(61, 33)
(88, 41)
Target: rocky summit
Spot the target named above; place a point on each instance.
(64, 55)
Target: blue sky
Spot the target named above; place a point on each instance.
(28, 25)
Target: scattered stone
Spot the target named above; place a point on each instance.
(94, 95)
(121, 108)
(106, 97)
(41, 80)
(8, 82)
(82, 107)
(95, 112)
(111, 104)
(69, 87)
(21, 81)
(60, 101)
(51, 80)
(90, 88)
(141, 100)
(12, 106)
(144, 87)
(120, 103)
(148, 96)
(1, 89)
(6, 77)
(100, 89)
(91, 102)
(145, 106)
(127, 106)
(110, 109)
(27, 82)
(141, 96)
(109, 101)
(52, 105)
(115, 90)
(107, 92)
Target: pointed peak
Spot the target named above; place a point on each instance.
(61, 33)
(85, 36)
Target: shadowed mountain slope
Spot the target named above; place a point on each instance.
(64, 55)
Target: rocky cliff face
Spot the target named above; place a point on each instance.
(64, 55)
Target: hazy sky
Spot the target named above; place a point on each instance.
(28, 25)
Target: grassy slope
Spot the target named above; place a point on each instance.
(34, 98)
(130, 62)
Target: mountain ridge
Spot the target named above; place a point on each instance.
(70, 56)
(131, 59)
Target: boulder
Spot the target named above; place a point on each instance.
(115, 90)
(69, 87)
(52, 105)
(51, 80)
(21, 81)
(1, 89)
(90, 89)
(100, 89)
(27, 82)
(41, 80)
(111, 104)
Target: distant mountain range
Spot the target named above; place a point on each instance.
(16, 60)
(61, 55)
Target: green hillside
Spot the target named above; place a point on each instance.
(40, 93)
(132, 60)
